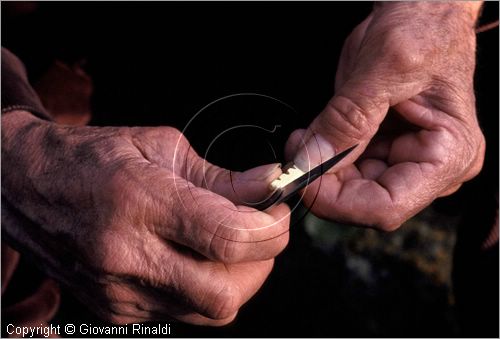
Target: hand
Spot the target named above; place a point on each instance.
(131, 220)
(404, 93)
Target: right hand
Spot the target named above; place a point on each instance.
(134, 223)
(418, 59)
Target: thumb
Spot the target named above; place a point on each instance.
(247, 188)
(351, 117)
(242, 188)
(354, 114)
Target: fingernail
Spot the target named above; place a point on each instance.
(264, 172)
(316, 150)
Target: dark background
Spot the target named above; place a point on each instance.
(160, 63)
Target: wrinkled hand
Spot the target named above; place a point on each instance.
(134, 222)
(404, 93)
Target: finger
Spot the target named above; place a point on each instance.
(415, 172)
(176, 210)
(133, 302)
(421, 112)
(209, 223)
(294, 143)
(360, 201)
(378, 148)
(372, 169)
(168, 148)
(451, 190)
(184, 285)
(354, 114)
(213, 290)
(242, 188)
(204, 220)
(219, 230)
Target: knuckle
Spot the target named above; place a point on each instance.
(222, 322)
(174, 136)
(348, 119)
(402, 53)
(389, 225)
(389, 220)
(162, 132)
(406, 60)
(225, 303)
(478, 156)
(157, 144)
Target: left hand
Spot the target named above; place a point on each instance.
(134, 223)
(417, 59)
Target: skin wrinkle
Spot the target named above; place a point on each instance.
(137, 145)
(428, 51)
(143, 287)
(345, 127)
(135, 309)
(225, 252)
(223, 303)
(101, 265)
(202, 300)
(214, 247)
(157, 275)
(20, 165)
(174, 312)
(454, 100)
(468, 159)
(187, 298)
(222, 237)
(422, 113)
(207, 177)
(419, 57)
(373, 169)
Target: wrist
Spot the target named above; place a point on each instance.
(22, 133)
(16, 119)
(466, 11)
(19, 128)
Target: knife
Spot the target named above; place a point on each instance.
(293, 180)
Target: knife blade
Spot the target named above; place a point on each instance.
(293, 180)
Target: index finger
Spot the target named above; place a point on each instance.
(216, 228)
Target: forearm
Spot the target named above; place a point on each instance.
(22, 131)
(20, 141)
